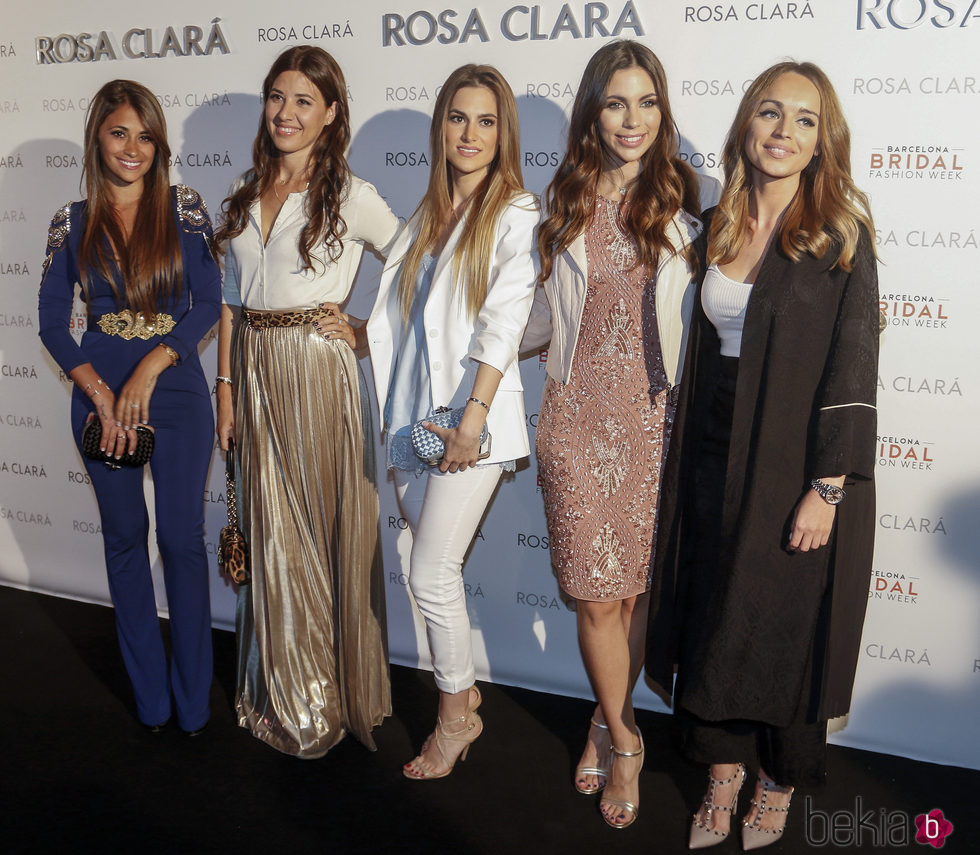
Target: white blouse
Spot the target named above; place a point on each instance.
(271, 277)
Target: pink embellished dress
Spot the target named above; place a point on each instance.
(602, 436)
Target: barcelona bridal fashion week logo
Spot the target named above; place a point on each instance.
(912, 453)
(930, 162)
(920, 311)
(895, 586)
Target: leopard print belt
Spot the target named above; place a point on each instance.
(268, 320)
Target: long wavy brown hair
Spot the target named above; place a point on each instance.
(665, 185)
(827, 210)
(329, 173)
(471, 261)
(145, 270)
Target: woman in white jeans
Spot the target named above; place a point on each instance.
(451, 309)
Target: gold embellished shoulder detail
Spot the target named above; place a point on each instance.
(58, 233)
(60, 227)
(191, 210)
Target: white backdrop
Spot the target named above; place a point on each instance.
(907, 73)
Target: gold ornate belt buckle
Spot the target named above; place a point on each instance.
(128, 325)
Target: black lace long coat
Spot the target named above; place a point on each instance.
(804, 409)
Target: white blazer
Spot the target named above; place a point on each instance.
(557, 312)
(456, 343)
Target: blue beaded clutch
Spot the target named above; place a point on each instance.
(430, 448)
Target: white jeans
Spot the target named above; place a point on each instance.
(443, 510)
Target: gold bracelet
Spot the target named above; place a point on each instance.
(174, 358)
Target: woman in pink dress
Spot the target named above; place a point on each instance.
(616, 265)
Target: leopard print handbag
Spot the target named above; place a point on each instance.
(232, 546)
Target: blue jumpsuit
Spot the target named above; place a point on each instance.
(181, 415)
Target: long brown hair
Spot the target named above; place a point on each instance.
(665, 185)
(145, 272)
(827, 209)
(330, 177)
(503, 181)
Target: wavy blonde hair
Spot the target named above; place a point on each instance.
(665, 185)
(828, 209)
(504, 181)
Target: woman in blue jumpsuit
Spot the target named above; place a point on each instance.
(140, 249)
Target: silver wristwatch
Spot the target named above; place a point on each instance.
(828, 492)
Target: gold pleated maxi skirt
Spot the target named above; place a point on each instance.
(312, 639)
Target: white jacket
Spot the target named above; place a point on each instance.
(456, 343)
(557, 312)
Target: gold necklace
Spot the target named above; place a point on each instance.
(282, 183)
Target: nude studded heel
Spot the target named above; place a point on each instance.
(754, 836)
(702, 834)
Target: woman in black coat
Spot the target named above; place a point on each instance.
(767, 509)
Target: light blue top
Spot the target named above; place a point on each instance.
(410, 393)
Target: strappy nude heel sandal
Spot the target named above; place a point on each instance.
(597, 770)
(446, 742)
(474, 705)
(629, 807)
(702, 834)
(754, 836)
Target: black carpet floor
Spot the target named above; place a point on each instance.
(79, 775)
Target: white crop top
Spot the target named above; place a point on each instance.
(724, 301)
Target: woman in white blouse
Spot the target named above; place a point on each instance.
(451, 308)
(311, 627)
